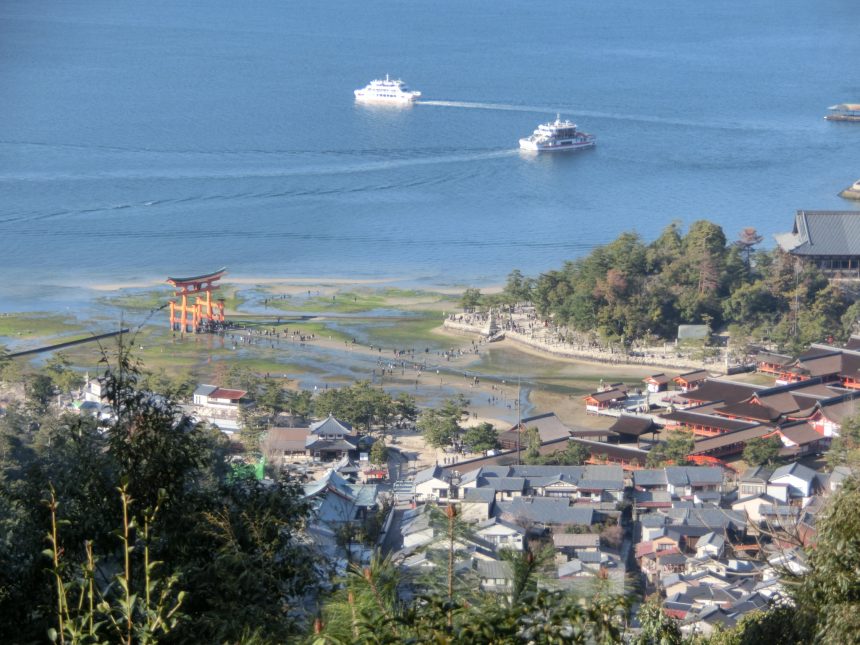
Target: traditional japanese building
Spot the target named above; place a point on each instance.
(829, 240)
(691, 380)
(549, 427)
(597, 401)
(657, 383)
(702, 424)
(628, 428)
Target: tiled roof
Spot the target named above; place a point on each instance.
(549, 426)
(582, 540)
(756, 474)
(331, 425)
(493, 569)
(800, 433)
(480, 495)
(433, 472)
(613, 451)
(230, 395)
(508, 484)
(773, 358)
(632, 425)
(695, 375)
(714, 390)
(290, 439)
(545, 510)
(650, 477)
(607, 395)
(693, 475)
(604, 472)
(730, 438)
(749, 411)
(823, 233)
(659, 379)
(796, 469)
(653, 498)
(690, 417)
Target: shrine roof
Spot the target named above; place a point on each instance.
(199, 278)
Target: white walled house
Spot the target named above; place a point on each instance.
(432, 484)
(212, 396)
(799, 479)
(501, 534)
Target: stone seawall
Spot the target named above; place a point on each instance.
(559, 349)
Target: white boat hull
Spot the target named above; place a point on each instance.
(366, 97)
(534, 146)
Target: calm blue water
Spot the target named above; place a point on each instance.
(141, 139)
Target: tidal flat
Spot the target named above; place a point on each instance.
(328, 334)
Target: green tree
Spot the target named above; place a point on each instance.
(673, 450)
(576, 454)
(761, 451)
(379, 453)
(518, 288)
(845, 449)
(481, 438)
(234, 545)
(253, 424)
(300, 403)
(533, 444)
(827, 598)
(405, 408)
(657, 628)
(437, 428)
(271, 397)
(360, 404)
(64, 377)
(471, 299)
(242, 378)
(39, 391)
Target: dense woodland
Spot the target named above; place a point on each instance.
(632, 291)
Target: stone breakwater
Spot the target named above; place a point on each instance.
(523, 328)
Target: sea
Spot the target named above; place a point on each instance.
(145, 139)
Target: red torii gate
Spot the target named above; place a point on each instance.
(205, 314)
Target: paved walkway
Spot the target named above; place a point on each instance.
(522, 326)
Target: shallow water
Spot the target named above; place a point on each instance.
(141, 139)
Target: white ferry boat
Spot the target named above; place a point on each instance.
(844, 112)
(386, 91)
(558, 135)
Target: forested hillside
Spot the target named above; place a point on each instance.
(629, 290)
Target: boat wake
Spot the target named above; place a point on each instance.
(471, 105)
(258, 173)
(615, 116)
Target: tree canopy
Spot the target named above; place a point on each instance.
(142, 502)
(629, 289)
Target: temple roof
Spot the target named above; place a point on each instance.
(818, 233)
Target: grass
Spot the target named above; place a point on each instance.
(361, 301)
(342, 303)
(138, 300)
(133, 299)
(36, 325)
(411, 332)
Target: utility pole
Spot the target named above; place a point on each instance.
(519, 420)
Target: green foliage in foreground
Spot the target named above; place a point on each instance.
(132, 532)
(367, 609)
